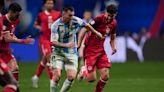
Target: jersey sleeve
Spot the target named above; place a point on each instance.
(96, 21)
(114, 27)
(54, 32)
(80, 21)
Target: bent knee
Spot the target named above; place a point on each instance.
(105, 77)
(71, 77)
(56, 75)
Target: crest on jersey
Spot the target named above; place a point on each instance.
(89, 68)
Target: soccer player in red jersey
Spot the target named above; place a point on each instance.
(94, 53)
(6, 78)
(10, 21)
(43, 24)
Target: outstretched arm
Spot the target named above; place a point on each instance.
(8, 37)
(90, 28)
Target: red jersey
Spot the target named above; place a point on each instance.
(101, 25)
(7, 26)
(45, 19)
(1, 26)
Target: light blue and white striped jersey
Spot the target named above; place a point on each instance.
(66, 32)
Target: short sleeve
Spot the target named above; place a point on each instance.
(96, 21)
(80, 21)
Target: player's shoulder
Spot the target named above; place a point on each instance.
(57, 22)
(75, 18)
(41, 13)
(55, 12)
(114, 21)
(100, 16)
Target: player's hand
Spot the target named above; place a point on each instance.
(9, 37)
(114, 51)
(70, 45)
(6, 33)
(38, 27)
(29, 41)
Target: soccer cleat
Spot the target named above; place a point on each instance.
(35, 82)
(82, 74)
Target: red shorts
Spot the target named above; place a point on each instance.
(3, 67)
(98, 60)
(45, 47)
(7, 57)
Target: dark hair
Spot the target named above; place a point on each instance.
(66, 8)
(44, 1)
(2, 3)
(112, 9)
(15, 7)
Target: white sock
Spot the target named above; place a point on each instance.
(53, 86)
(66, 85)
(35, 77)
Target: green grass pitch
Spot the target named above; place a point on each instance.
(126, 77)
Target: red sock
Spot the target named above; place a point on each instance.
(9, 88)
(16, 74)
(49, 71)
(39, 69)
(100, 85)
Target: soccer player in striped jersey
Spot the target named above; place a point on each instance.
(64, 41)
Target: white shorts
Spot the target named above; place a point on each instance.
(68, 61)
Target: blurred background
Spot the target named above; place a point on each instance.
(140, 28)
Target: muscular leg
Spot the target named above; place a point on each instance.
(91, 77)
(38, 72)
(10, 84)
(55, 78)
(48, 66)
(104, 75)
(71, 75)
(41, 67)
(13, 66)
